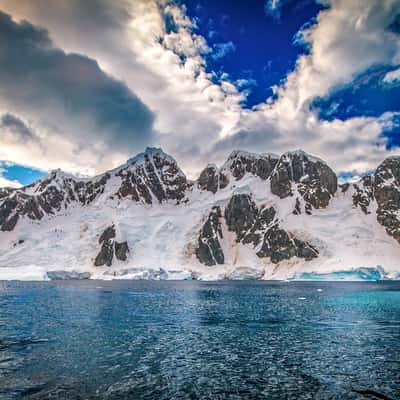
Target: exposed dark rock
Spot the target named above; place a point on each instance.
(209, 179)
(109, 247)
(317, 183)
(121, 250)
(106, 254)
(314, 194)
(344, 187)
(258, 227)
(237, 165)
(223, 181)
(109, 233)
(364, 193)
(305, 250)
(18, 204)
(89, 191)
(209, 250)
(297, 207)
(9, 224)
(5, 192)
(281, 180)
(264, 220)
(387, 195)
(241, 162)
(240, 214)
(261, 228)
(276, 245)
(152, 173)
(19, 242)
(280, 245)
(50, 195)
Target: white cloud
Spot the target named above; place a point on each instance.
(222, 49)
(392, 76)
(4, 182)
(347, 38)
(198, 120)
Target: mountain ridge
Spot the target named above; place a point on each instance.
(256, 216)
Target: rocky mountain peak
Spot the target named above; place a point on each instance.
(315, 180)
(150, 153)
(152, 176)
(241, 162)
(238, 164)
(387, 194)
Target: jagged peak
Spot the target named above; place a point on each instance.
(150, 152)
(60, 174)
(393, 157)
(249, 155)
(211, 166)
(302, 154)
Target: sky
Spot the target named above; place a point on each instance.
(86, 85)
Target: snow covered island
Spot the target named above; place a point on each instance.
(259, 216)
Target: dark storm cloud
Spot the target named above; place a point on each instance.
(36, 77)
(15, 125)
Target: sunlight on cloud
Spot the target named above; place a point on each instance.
(152, 46)
(392, 76)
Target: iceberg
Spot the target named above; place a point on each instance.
(369, 274)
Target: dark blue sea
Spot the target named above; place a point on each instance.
(197, 340)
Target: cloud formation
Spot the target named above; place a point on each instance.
(153, 48)
(15, 125)
(66, 94)
(222, 49)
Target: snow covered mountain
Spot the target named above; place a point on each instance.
(259, 216)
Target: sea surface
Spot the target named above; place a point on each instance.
(198, 340)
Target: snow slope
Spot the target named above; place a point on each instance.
(162, 237)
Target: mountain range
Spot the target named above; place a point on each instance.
(258, 216)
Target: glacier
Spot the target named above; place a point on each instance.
(160, 219)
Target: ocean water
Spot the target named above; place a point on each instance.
(198, 340)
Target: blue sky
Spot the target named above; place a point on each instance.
(21, 174)
(87, 85)
(260, 42)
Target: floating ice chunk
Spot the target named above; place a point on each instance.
(246, 273)
(370, 274)
(67, 275)
(138, 273)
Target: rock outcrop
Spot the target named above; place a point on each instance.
(363, 194)
(315, 181)
(121, 250)
(279, 245)
(252, 226)
(387, 194)
(209, 250)
(48, 197)
(240, 214)
(238, 164)
(261, 228)
(152, 176)
(209, 179)
(251, 217)
(110, 247)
